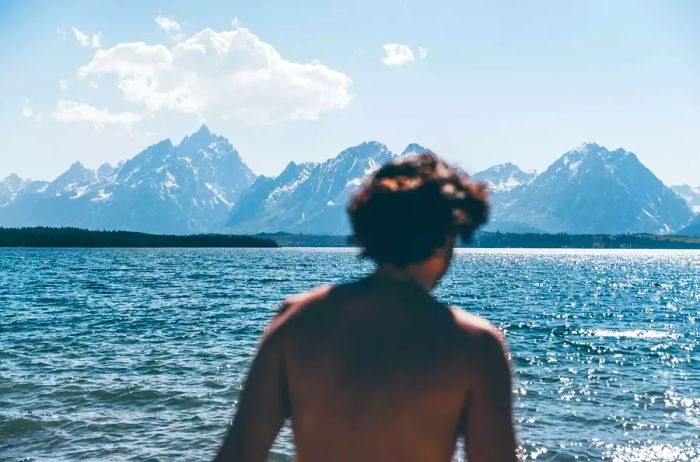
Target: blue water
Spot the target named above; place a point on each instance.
(139, 354)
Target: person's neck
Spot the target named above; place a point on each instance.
(417, 274)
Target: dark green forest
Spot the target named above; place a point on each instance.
(75, 237)
(514, 240)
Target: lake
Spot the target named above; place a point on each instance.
(140, 354)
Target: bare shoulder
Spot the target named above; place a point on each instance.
(295, 306)
(479, 330)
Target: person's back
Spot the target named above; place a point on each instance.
(378, 370)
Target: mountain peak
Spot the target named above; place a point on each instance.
(77, 166)
(198, 140)
(504, 177)
(12, 178)
(104, 170)
(364, 150)
(203, 131)
(507, 167)
(588, 147)
(76, 173)
(414, 148)
(12, 183)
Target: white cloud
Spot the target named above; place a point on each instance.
(396, 53)
(26, 112)
(85, 40)
(230, 74)
(63, 84)
(169, 25)
(72, 112)
(82, 38)
(422, 52)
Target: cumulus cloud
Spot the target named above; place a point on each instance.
(72, 112)
(85, 40)
(63, 84)
(230, 74)
(422, 52)
(396, 53)
(26, 112)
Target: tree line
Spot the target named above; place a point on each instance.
(75, 237)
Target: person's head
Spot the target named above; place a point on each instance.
(412, 209)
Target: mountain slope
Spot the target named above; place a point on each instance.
(202, 185)
(690, 194)
(693, 229)
(10, 186)
(593, 190)
(503, 177)
(310, 197)
(189, 188)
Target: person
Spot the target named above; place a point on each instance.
(378, 369)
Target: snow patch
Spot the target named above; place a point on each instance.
(573, 167)
(303, 176)
(170, 183)
(218, 194)
(101, 196)
(79, 192)
(373, 167)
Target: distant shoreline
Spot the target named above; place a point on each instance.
(515, 240)
(46, 237)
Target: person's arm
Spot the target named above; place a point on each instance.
(490, 436)
(262, 408)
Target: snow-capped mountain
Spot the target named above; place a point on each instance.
(202, 185)
(10, 186)
(311, 197)
(504, 177)
(690, 194)
(593, 190)
(188, 188)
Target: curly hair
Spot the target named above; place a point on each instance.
(410, 206)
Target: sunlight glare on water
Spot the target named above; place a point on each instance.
(135, 354)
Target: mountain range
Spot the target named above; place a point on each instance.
(165, 189)
(591, 190)
(202, 185)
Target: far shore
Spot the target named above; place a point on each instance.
(44, 237)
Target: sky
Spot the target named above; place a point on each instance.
(479, 83)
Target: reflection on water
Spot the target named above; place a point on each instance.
(136, 354)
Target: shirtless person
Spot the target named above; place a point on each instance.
(378, 369)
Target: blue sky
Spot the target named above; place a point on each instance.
(479, 83)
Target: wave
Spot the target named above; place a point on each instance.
(634, 333)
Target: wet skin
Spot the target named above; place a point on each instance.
(376, 370)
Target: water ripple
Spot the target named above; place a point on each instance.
(140, 354)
